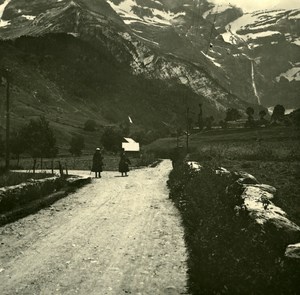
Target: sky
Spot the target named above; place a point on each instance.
(250, 5)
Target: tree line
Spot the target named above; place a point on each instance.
(37, 139)
(277, 117)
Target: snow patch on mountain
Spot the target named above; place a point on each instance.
(292, 74)
(29, 17)
(212, 59)
(145, 39)
(157, 17)
(295, 14)
(296, 41)
(262, 34)
(231, 35)
(3, 23)
(217, 9)
(256, 25)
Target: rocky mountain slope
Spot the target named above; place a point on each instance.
(272, 39)
(150, 59)
(165, 61)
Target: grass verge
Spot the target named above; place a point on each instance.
(228, 253)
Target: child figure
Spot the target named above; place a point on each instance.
(124, 163)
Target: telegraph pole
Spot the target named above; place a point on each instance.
(6, 76)
(187, 129)
(7, 151)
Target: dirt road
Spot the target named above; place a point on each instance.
(114, 236)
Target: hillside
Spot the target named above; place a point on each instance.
(70, 81)
(105, 60)
(168, 77)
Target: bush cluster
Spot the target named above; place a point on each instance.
(228, 252)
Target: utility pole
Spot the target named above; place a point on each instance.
(7, 151)
(6, 76)
(187, 128)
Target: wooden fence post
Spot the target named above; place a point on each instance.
(61, 171)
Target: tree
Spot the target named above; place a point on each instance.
(2, 146)
(208, 122)
(250, 112)
(200, 117)
(223, 124)
(262, 115)
(76, 145)
(250, 122)
(40, 140)
(17, 145)
(90, 125)
(125, 128)
(296, 118)
(278, 113)
(262, 120)
(112, 139)
(232, 114)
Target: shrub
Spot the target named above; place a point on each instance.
(145, 159)
(112, 139)
(278, 113)
(232, 114)
(76, 145)
(39, 140)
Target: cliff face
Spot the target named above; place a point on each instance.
(185, 30)
(271, 39)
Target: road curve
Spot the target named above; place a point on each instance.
(114, 236)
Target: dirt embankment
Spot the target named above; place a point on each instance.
(114, 236)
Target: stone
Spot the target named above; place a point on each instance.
(260, 208)
(293, 251)
(245, 178)
(194, 165)
(265, 187)
(222, 171)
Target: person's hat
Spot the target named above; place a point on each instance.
(97, 149)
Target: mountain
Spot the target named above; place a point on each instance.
(105, 60)
(177, 30)
(272, 39)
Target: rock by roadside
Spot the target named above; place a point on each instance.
(255, 199)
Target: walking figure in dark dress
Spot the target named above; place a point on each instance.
(124, 163)
(97, 163)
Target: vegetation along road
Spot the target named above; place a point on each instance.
(118, 235)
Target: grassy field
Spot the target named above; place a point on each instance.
(272, 155)
(238, 143)
(252, 262)
(84, 162)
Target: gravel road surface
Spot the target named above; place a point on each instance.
(117, 235)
